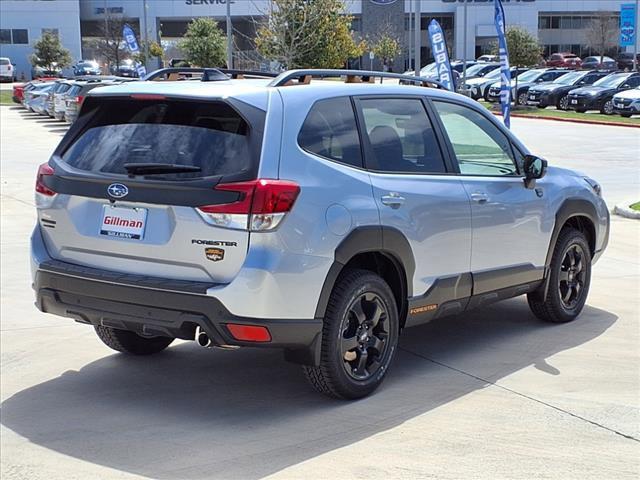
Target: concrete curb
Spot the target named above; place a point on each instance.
(624, 210)
(572, 120)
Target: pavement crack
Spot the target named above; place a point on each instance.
(528, 397)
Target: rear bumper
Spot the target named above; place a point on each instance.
(154, 306)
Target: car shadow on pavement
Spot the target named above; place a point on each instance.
(188, 413)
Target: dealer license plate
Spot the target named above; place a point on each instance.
(122, 222)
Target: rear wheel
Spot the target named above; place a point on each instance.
(359, 337)
(569, 280)
(130, 342)
(563, 103)
(522, 98)
(607, 108)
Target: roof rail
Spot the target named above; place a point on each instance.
(304, 76)
(208, 74)
(238, 74)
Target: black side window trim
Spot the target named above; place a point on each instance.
(488, 116)
(329, 159)
(366, 147)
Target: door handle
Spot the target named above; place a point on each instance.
(479, 197)
(393, 200)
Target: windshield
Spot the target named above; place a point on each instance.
(425, 71)
(477, 69)
(208, 135)
(611, 80)
(529, 76)
(569, 78)
(4, 61)
(493, 73)
(87, 64)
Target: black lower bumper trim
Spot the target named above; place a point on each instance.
(151, 311)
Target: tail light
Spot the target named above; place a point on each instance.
(261, 205)
(79, 99)
(44, 195)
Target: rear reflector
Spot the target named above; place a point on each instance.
(249, 333)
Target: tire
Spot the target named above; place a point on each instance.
(342, 372)
(130, 342)
(563, 103)
(522, 98)
(486, 95)
(564, 302)
(607, 108)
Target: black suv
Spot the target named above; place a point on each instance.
(599, 95)
(556, 93)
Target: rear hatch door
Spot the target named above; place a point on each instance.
(130, 174)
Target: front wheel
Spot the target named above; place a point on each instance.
(130, 342)
(359, 337)
(569, 280)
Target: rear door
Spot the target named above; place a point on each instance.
(414, 188)
(113, 211)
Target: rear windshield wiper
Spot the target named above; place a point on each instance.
(158, 168)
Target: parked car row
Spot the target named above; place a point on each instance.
(623, 62)
(59, 98)
(579, 90)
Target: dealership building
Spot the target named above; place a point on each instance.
(560, 25)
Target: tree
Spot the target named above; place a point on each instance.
(155, 51)
(386, 45)
(308, 34)
(49, 53)
(524, 49)
(204, 45)
(602, 33)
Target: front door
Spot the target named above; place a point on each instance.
(512, 224)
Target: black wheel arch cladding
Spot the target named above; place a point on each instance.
(374, 239)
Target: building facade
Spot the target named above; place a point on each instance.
(560, 25)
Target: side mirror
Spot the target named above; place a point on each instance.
(626, 85)
(534, 168)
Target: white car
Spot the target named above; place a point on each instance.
(7, 71)
(627, 103)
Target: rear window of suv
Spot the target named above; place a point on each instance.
(210, 135)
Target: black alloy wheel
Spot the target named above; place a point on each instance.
(359, 337)
(564, 297)
(363, 341)
(571, 279)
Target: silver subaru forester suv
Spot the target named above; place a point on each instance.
(319, 217)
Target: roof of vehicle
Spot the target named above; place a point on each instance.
(256, 91)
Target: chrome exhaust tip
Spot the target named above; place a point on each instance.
(202, 338)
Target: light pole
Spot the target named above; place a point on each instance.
(464, 50)
(229, 36)
(636, 39)
(146, 35)
(418, 31)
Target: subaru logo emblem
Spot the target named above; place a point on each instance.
(118, 190)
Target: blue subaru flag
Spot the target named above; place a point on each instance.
(628, 24)
(505, 71)
(130, 38)
(440, 55)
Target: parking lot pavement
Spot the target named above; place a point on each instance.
(490, 394)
